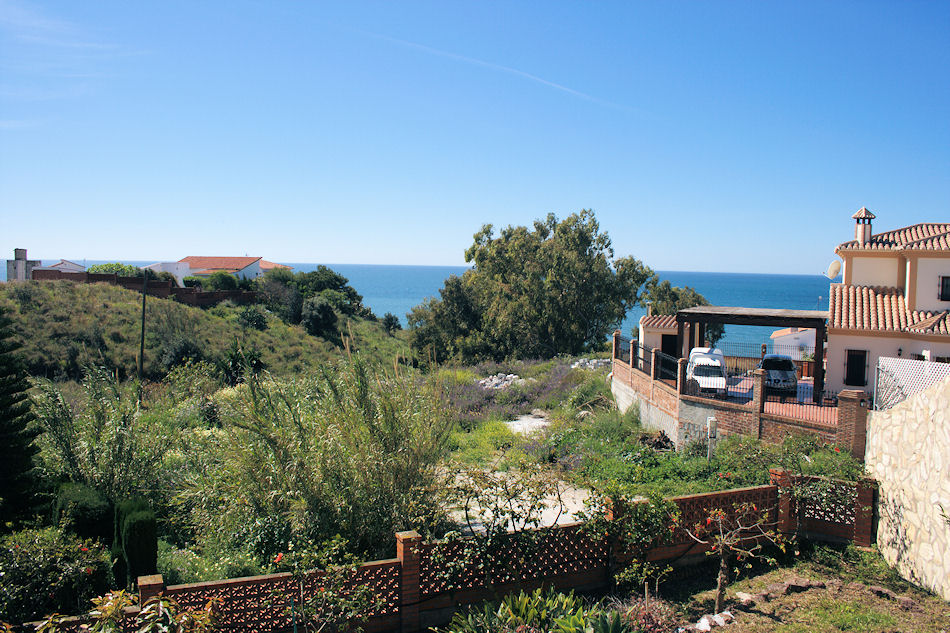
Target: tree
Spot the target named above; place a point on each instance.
(221, 280)
(17, 474)
(736, 534)
(668, 299)
(391, 323)
(532, 293)
(115, 268)
(317, 316)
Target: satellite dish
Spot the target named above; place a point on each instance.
(833, 269)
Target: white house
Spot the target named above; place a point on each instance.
(179, 270)
(64, 266)
(794, 342)
(240, 267)
(893, 301)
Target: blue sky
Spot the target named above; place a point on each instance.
(718, 136)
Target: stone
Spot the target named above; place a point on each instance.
(704, 624)
(727, 616)
(834, 583)
(762, 596)
(856, 586)
(818, 584)
(745, 599)
(881, 592)
(777, 588)
(905, 603)
(797, 585)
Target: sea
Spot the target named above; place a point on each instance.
(397, 289)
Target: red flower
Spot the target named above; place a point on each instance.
(279, 557)
(837, 450)
(89, 571)
(708, 520)
(754, 508)
(84, 549)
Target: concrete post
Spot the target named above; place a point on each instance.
(864, 512)
(150, 587)
(407, 551)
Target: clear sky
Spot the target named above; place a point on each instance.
(718, 136)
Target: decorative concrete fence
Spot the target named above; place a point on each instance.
(415, 593)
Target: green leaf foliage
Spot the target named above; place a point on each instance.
(668, 299)
(49, 570)
(17, 473)
(531, 293)
(115, 268)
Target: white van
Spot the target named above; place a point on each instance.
(707, 366)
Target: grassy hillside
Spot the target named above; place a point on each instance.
(63, 325)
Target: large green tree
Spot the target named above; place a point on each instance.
(534, 292)
(17, 473)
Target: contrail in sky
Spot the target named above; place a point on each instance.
(499, 67)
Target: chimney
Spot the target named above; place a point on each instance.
(19, 254)
(862, 227)
(650, 308)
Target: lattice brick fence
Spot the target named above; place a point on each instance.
(414, 593)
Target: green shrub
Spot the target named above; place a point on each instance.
(220, 280)
(123, 270)
(193, 282)
(253, 318)
(86, 510)
(178, 351)
(136, 542)
(49, 570)
(317, 316)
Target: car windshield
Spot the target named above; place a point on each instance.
(707, 371)
(780, 364)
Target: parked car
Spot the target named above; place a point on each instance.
(780, 375)
(707, 367)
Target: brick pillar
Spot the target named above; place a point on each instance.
(852, 422)
(616, 344)
(654, 369)
(681, 375)
(864, 512)
(786, 520)
(149, 587)
(407, 551)
(758, 402)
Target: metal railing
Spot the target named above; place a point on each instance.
(622, 349)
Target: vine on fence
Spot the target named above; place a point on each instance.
(503, 526)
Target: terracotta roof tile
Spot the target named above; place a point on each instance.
(212, 264)
(931, 236)
(266, 265)
(659, 321)
(863, 214)
(880, 309)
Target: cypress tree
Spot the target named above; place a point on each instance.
(17, 471)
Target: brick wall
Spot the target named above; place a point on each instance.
(155, 288)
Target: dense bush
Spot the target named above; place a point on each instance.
(318, 317)
(391, 322)
(220, 280)
(346, 450)
(253, 317)
(123, 270)
(86, 511)
(192, 281)
(178, 351)
(49, 570)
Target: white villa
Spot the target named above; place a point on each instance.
(893, 300)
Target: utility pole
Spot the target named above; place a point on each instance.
(142, 339)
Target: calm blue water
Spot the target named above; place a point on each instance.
(398, 289)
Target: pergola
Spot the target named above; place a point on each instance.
(699, 316)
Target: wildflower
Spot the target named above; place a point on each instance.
(837, 450)
(754, 509)
(83, 549)
(279, 557)
(708, 520)
(89, 571)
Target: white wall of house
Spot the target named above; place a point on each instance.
(876, 346)
(795, 344)
(179, 269)
(250, 272)
(875, 271)
(929, 272)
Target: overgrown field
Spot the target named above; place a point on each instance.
(64, 326)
